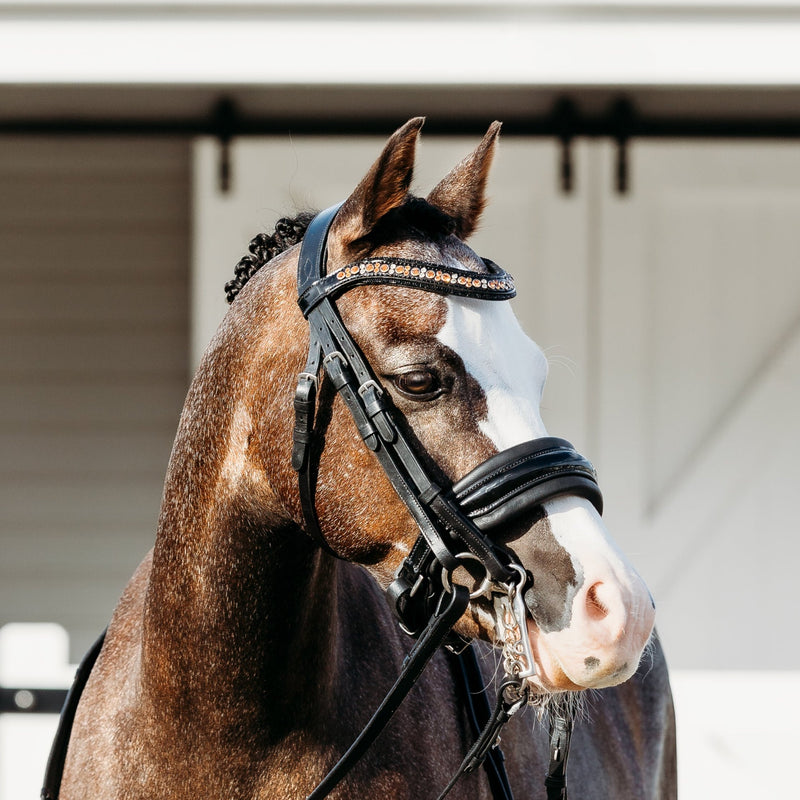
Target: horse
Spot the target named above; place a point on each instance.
(254, 640)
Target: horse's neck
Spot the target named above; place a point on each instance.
(241, 608)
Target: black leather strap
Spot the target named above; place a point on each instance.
(492, 285)
(489, 736)
(560, 738)
(452, 607)
(311, 265)
(523, 477)
(479, 713)
(54, 771)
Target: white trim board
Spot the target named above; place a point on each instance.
(588, 45)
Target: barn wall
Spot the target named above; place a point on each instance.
(93, 330)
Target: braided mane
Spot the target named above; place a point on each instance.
(415, 218)
(264, 247)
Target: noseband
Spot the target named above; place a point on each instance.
(458, 523)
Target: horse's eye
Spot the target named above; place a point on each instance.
(421, 384)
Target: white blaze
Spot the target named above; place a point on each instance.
(612, 612)
(509, 367)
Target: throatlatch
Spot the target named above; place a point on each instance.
(456, 522)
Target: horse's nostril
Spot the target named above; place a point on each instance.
(595, 607)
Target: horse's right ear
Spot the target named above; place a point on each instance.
(383, 188)
(462, 193)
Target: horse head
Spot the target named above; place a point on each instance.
(463, 383)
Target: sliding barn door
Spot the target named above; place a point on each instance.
(696, 419)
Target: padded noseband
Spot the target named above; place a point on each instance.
(516, 481)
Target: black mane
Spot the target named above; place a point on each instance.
(288, 231)
(414, 218)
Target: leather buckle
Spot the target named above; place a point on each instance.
(371, 395)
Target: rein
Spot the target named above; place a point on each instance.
(456, 523)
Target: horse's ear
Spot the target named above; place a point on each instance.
(383, 188)
(461, 193)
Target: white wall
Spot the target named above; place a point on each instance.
(699, 290)
(36, 656)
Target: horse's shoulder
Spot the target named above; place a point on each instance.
(125, 628)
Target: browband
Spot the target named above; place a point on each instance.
(496, 284)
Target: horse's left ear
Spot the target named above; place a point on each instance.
(461, 194)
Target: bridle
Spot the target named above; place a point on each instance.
(457, 523)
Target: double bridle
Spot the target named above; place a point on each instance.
(457, 523)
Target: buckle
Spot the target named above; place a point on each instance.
(334, 355)
(309, 377)
(371, 395)
(366, 386)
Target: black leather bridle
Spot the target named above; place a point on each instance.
(457, 523)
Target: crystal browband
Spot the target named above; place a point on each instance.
(496, 284)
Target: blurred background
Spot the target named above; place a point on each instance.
(646, 196)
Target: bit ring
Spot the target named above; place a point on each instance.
(485, 583)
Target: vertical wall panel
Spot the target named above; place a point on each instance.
(94, 238)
